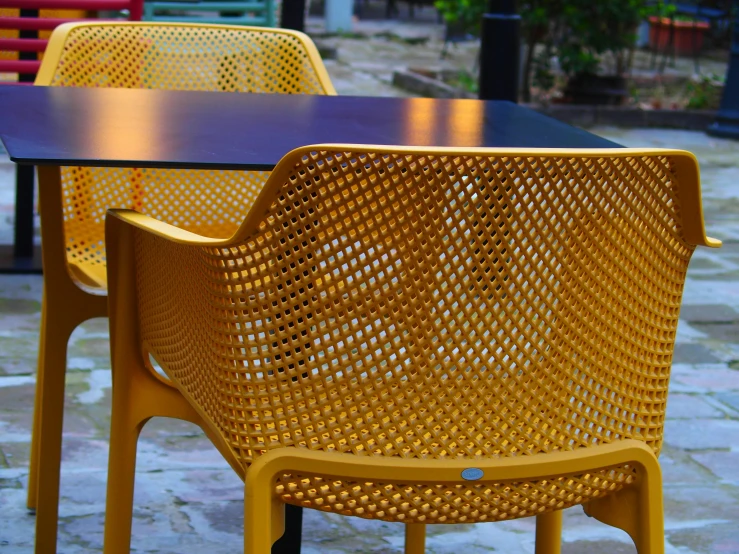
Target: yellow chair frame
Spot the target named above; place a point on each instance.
(265, 336)
(73, 201)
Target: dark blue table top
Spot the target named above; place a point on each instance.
(209, 130)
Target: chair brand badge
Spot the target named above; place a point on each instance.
(472, 474)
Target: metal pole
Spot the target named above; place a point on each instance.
(727, 118)
(293, 15)
(23, 238)
(289, 543)
(500, 51)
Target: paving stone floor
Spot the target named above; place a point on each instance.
(188, 500)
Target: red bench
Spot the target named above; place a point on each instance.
(20, 24)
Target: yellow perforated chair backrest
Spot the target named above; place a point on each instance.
(390, 302)
(171, 56)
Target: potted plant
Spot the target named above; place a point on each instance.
(595, 43)
(685, 33)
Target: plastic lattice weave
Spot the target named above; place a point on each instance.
(181, 57)
(431, 305)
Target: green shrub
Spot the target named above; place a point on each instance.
(581, 34)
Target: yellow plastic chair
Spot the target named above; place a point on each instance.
(138, 55)
(418, 335)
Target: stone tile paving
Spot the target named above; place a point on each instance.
(189, 500)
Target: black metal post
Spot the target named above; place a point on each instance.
(293, 15)
(727, 118)
(23, 239)
(500, 52)
(289, 543)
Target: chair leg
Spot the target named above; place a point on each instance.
(137, 397)
(31, 499)
(264, 518)
(64, 307)
(637, 509)
(549, 533)
(124, 435)
(415, 538)
(48, 440)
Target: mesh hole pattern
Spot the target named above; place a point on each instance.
(435, 306)
(173, 57)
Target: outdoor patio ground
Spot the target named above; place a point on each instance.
(188, 500)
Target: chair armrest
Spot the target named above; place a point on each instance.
(164, 230)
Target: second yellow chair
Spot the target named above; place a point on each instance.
(138, 55)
